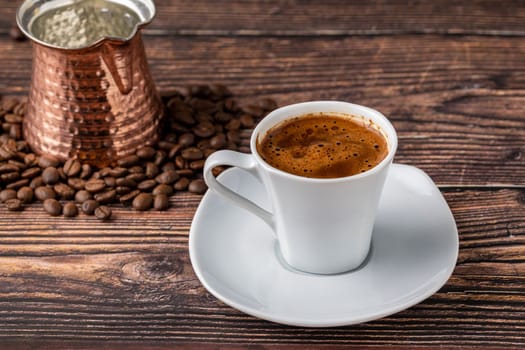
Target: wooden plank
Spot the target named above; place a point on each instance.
(459, 112)
(130, 279)
(327, 18)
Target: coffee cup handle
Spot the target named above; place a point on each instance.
(240, 160)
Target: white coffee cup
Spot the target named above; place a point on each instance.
(323, 226)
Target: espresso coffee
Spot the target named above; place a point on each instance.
(323, 145)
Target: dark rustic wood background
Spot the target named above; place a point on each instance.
(450, 75)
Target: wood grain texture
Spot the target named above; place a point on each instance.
(326, 18)
(131, 280)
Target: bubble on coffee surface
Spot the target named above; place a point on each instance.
(323, 146)
(82, 23)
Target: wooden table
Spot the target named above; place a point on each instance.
(450, 76)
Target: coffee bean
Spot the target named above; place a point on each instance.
(103, 212)
(86, 171)
(202, 105)
(13, 118)
(197, 186)
(6, 153)
(185, 117)
(142, 202)
(36, 182)
(89, 206)
(146, 152)
(218, 141)
(217, 170)
(254, 110)
(219, 129)
(21, 108)
(82, 196)
(62, 174)
(247, 121)
(31, 173)
(64, 191)
(123, 190)
(52, 207)
(165, 145)
(106, 197)
(50, 176)
(128, 198)
(180, 162)
(9, 177)
(203, 144)
(123, 181)
(230, 105)
(267, 104)
(178, 127)
(48, 161)
(208, 151)
(147, 185)
(168, 166)
(110, 181)
(104, 171)
(192, 153)
(18, 184)
(9, 103)
(72, 167)
(30, 159)
(8, 168)
(70, 210)
(187, 139)
(128, 161)
(171, 137)
(152, 170)
(118, 172)
(234, 124)
(15, 132)
(233, 136)
(160, 157)
(204, 129)
(199, 90)
(95, 185)
(14, 204)
(220, 91)
(137, 177)
(137, 169)
(7, 194)
(25, 194)
(161, 202)
(175, 150)
(223, 117)
(197, 164)
(182, 184)
(43, 192)
(167, 177)
(163, 189)
(232, 146)
(76, 183)
(185, 172)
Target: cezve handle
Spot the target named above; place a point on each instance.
(118, 59)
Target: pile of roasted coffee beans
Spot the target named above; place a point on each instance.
(196, 124)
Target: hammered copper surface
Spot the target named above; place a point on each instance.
(96, 104)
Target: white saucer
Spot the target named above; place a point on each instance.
(414, 251)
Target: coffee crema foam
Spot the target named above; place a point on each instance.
(323, 145)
